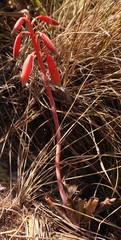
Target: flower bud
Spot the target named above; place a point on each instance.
(16, 46)
(18, 24)
(27, 68)
(48, 20)
(53, 70)
(47, 42)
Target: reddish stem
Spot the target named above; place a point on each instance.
(37, 50)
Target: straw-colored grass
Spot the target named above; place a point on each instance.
(88, 42)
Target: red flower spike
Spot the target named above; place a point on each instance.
(47, 42)
(53, 69)
(27, 68)
(18, 24)
(16, 46)
(48, 20)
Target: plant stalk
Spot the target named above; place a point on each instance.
(37, 50)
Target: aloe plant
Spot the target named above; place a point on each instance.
(38, 52)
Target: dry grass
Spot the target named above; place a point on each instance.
(88, 41)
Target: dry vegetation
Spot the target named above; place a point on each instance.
(88, 103)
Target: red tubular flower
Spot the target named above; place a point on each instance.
(48, 20)
(53, 69)
(27, 68)
(47, 42)
(18, 24)
(16, 46)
